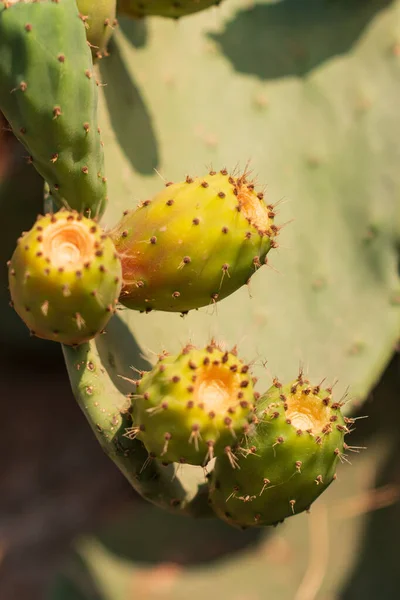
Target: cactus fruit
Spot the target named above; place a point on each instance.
(48, 93)
(163, 8)
(193, 406)
(99, 19)
(92, 369)
(65, 277)
(288, 460)
(194, 243)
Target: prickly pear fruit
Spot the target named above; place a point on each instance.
(48, 94)
(193, 406)
(65, 277)
(99, 19)
(288, 459)
(194, 243)
(163, 8)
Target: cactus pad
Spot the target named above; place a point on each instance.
(48, 93)
(287, 462)
(65, 277)
(163, 8)
(194, 243)
(193, 406)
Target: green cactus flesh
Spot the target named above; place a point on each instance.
(48, 93)
(286, 463)
(163, 8)
(193, 406)
(194, 243)
(65, 277)
(99, 19)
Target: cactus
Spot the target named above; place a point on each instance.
(95, 373)
(194, 243)
(163, 8)
(48, 93)
(310, 126)
(193, 406)
(287, 462)
(99, 19)
(65, 278)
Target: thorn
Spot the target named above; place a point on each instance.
(231, 457)
(80, 321)
(167, 438)
(195, 436)
(266, 482)
(210, 451)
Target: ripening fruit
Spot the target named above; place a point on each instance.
(194, 406)
(194, 243)
(99, 19)
(65, 278)
(288, 459)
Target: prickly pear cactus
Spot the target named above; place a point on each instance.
(194, 406)
(65, 278)
(163, 8)
(48, 93)
(286, 462)
(194, 243)
(295, 97)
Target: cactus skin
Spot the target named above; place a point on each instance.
(163, 8)
(288, 461)
(194, 243)
(193, 406)
(99, 19)
(93, 373)
(48, 93)
(65, 277)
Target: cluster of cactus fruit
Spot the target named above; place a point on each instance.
(268, 456)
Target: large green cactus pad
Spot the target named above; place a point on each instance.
(319, 124)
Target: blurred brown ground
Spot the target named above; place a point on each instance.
(55, 481)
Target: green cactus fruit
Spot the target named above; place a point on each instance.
(65, 277)
(48, 93)
(288, 459)
(193, 406)
(163, 8)
(194, 243)
(99, 19)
